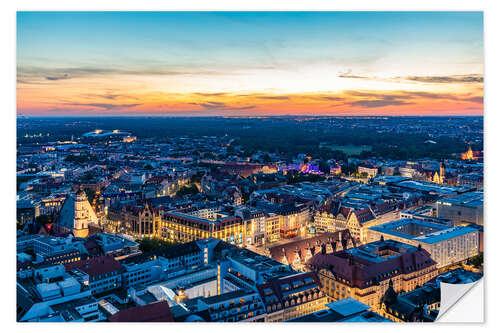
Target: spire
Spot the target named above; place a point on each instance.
(390, 297)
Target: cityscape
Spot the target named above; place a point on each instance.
(223, 188)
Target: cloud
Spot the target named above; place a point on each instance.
(370, 99)
(475, 99)
(222, 106)
(278, 98)
(105, 106)
(55, 78)
(377, 103)
(471, 78)
(210, 94)
(450, 79)
(110, 96)
(348, 75)
(30, 74)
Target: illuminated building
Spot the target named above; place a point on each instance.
(99, 273)
(364, 272)
(465, 208)
(293, 219)
(335, 169)
(440, 177)
(344, 310)
(297, 253)
(255, 221)
(183, 227)
(135, 220)
(76, 215)
(239, 305)
(446, 245)
(371, 171)
(272, 227)
(292, 296)
(128, 139)
(48, 206)
(328, 219)
(471, 155)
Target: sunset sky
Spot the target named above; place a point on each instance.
(260, 63)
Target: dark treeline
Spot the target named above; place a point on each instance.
(283, 135)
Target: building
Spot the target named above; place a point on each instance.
(475, 180)
(49, 294)
(152, 266)
(75, 216)
(292, 296)
(419, 305)
(297, 253)
(369, 170)
(182, 227)
(272, 227)
(465, 208)
(331, 218)
(136, 220)
(255, 221)
(51, 205)
(101, 274)
(471, 155)
(440, 177)
(425, 213)
(239, 305)
(446, 245)
(345, 310)
(422, 304)
(154, 312)
(363, 273)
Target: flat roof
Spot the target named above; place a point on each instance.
(228, 296)
(443, 232)
(470, 199)
(347, 306)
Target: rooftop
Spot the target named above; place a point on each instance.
(470, 199)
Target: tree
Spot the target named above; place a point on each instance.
(196, 178)
(87, 176)
(90, 194)
(187, 190)
(477, 261)
(151, 244)
(324, 167)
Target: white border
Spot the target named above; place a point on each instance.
(8, 79)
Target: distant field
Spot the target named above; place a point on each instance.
(348, 149)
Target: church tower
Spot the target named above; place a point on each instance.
(442, 172)
(76, 215)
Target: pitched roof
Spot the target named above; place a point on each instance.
(364, 215)
(363, 266)
(286, 288)
(301, 246)
(153, 312)
(95, 266)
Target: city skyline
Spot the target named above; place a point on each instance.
(249, 63)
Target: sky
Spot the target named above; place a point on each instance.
(249, 63)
